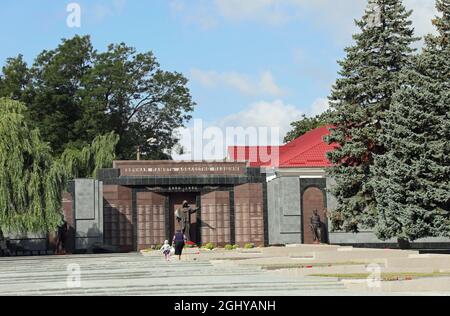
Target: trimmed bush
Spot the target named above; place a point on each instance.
(229, 247)
(249, 246)
(209, 246)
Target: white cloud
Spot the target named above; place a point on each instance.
(100, 11)
(268, 85)
(424, 12)
(263, 85)
(261, 123)
(195, 12)
(264, 114)
(327, 14)
(319, 106)
(269, 11)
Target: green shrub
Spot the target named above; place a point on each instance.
(249, 246)
(209, 246)
(229, 247)
(235, 247)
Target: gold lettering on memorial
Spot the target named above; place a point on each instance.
(179, 169)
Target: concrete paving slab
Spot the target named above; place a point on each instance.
(231, 273)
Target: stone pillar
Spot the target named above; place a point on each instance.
(249, 214)
(118, 212)
(284, 211)
(88, 213)
(216, 225)
(69, 217)
(151, 219)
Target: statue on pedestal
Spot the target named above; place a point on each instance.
(183, 216)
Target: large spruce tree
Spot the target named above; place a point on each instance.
(412, 180)
(359, 101)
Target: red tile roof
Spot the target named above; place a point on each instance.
(306, 151)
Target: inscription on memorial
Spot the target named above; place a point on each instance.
(170, 168)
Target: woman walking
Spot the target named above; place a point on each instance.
(179, 241)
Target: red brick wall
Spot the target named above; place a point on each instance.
(151, 219)
(118, 219)
(68, 208)
(69, 217)
(249, 214)
(313, 199)
(215, 214)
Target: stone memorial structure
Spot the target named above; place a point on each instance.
(141, 199)
(83, 213)
(260, 195)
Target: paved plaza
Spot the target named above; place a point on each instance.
(133, 274)
(291, 271)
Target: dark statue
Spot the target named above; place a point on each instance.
(316, 227)
(4, 249)
(61, 236)
(183, 217)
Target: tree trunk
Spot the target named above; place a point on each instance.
(2, 244)
(2, 238)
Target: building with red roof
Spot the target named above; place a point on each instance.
(307, 151)
(297, 185)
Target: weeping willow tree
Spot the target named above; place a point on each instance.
(31, 182)
(85, 162)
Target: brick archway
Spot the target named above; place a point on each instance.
(313, 199)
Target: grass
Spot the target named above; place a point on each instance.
(386, 277)
(309, 265)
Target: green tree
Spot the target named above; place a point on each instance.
(15, 78)
(359, 101)
(307, 124)
(85, 162)
(412, 180)
(31, 183)
(32, 179)
(75, 93)
(140, 100)
(54, 104)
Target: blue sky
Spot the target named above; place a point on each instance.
(250, 62)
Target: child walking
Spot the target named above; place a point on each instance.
(165, 249)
